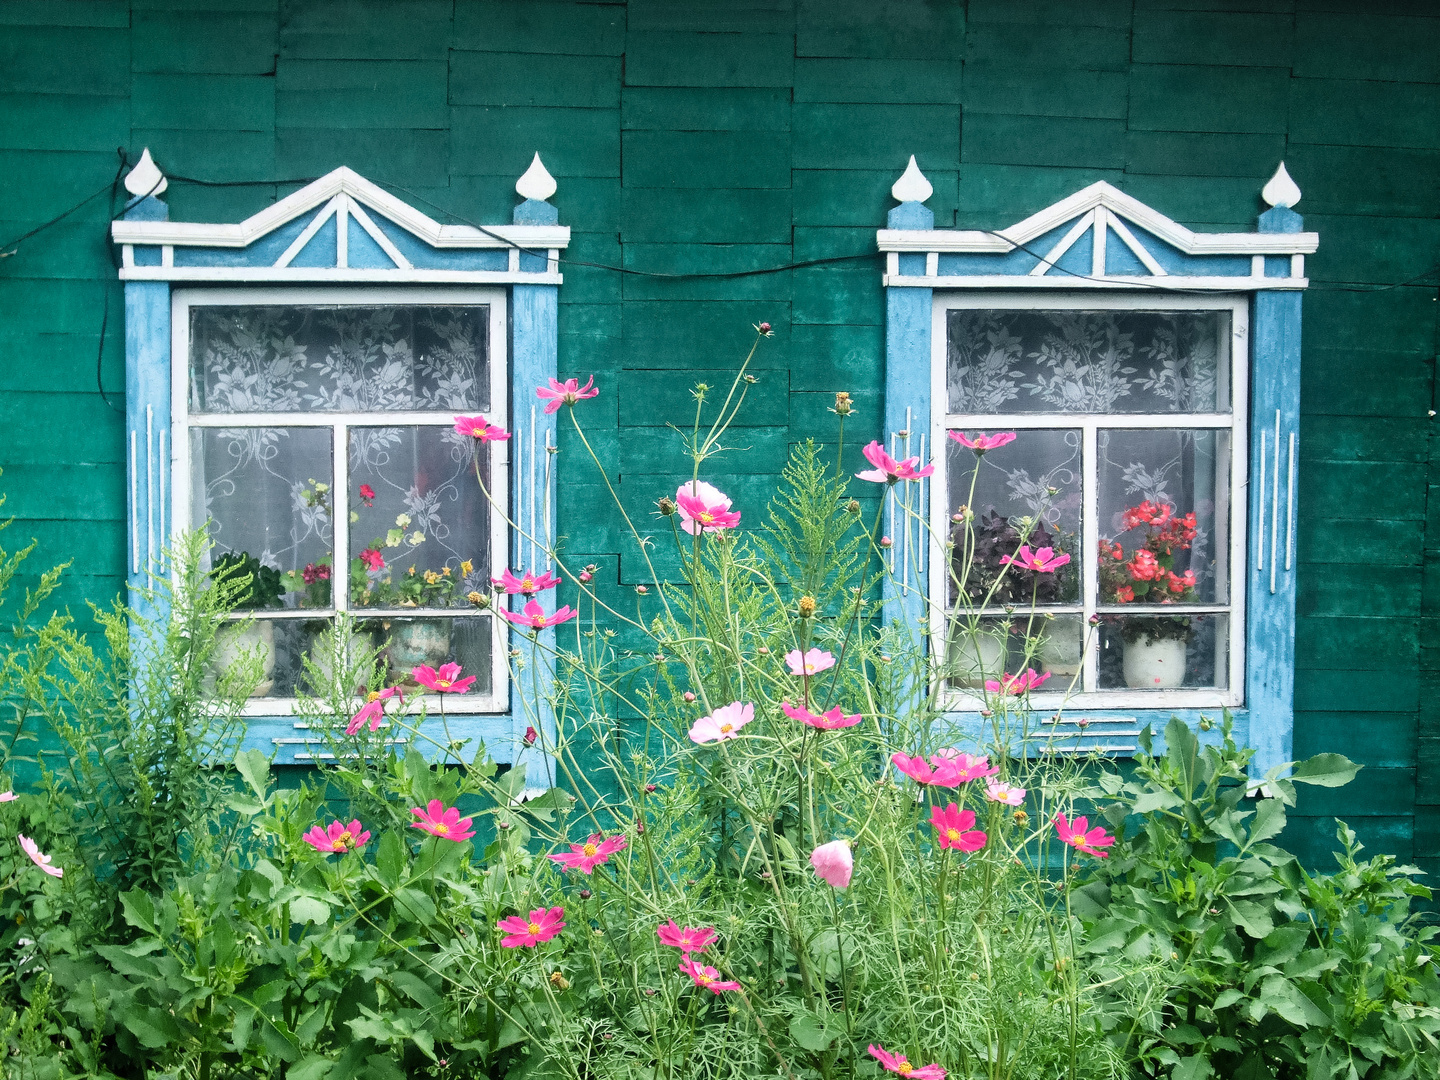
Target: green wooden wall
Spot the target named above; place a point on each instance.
(720, 135)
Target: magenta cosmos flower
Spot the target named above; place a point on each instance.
(43, 861)
(687, 939)
(997, 791)
(887, 470)
(1016, 684)
(445, 822)
(704, 507)
(1074, 834)
(953, 768)
(834, 863)
(955, 828)
(724, 723)
(706, 977)
(527, 584)
(981, 443)
(811, 662)
(373, 711)
(896, 1063)
(445, 681)
(338, 838)
(1042, 561)
(585, 857)
(534, 617)
(914, 767)
(480, 429)
(541, 926)
(829, 721)
(566, 393)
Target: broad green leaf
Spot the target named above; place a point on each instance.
(311, 1068)
(1282, 945)
(307, 909)
(1325, 770)
(1226, 998)
(139, 910)
(1282, 996)
(416, 988)
(1151, 801)
(278, 1039)
(810, 1032)
(127, 964)
(1269, 821)
(1182, 748)
(390, 858)
(1251, 917)
(244, 1024)
(255, 768)
(544, 806)
(510, 1034)
(1193, 1068)
(154, 1028)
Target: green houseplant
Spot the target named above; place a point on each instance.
(251, 586)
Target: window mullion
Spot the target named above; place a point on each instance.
(1090, 544)
(340, 560)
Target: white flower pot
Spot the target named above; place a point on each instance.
(1060, 653)
(232, 641)
(418, 641)
(1154, 665)
(978, 657)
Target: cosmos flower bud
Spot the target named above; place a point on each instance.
(649, 789)
(843, 404)
(585, 894)
(667, 506)
(641, 589)
(853, 506)
(558, 980)
(886, 542)
(764, 328)
(689, 696)
(586, 576)
(530, 736)
(807, 606)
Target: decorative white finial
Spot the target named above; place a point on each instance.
(1281, 190)
(537, 183)
(912, 185)
(146, 178)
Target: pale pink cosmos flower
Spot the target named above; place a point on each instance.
(1042, 561)
(566, 393)
(706, 977)
(953, 768)
(445, 822)
(42, 861)
(1074, 833)
(534, 617)
(373, 711)
(541, 926)
(887, 470)
(8, 796)
(585, 857)
(981, 443)
(724, 723)
(480, 429)
(998, 791)
(687, 939)
(914, 767)
(527, 584)
(337, 838)
(703, 507)
(896, 1063)
(811, 662)
(834, 863)
(829, 721)
(1016, 684)
(445, 681)
(955, 828)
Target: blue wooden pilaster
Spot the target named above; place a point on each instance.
(1273, 510)
(534, 356)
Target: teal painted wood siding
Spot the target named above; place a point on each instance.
(699, 136)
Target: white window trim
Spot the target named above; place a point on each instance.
(498, 700)
(959, 700)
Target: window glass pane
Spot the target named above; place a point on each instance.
(445, 640)
(1035, 477)
(997, 648)
(345, 359)
(421, 532)
(280, 645)
(1088, 361)
(1163, 510)
(1164, 652)
(264, 492)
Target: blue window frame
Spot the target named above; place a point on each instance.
(399, 323)
(1139, 361)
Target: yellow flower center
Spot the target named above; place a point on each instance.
(534, 928)
(905, 1068)
(526, 584)
(702, 977)
(442, 830)
(442, 683)
(1078, 841)
(952, 834)
(590, 850)
(725, 729)
(374, 695)
(706, 517)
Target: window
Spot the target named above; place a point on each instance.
(1129, 413)
(317, 422)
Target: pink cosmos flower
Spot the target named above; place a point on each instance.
(585, 857)
(528, 584)
(373, 711)
(1042, 561)
(955, 828)
(896, 1063)
(887, 470)
(687, 939)
(445, 681)
(367, 493)
(1016, 684)
(445, 822)
(829, 721)
(534, 617)
(8, 796)
(338, 837)
(998, 791)
(706, 977)
(812, 662)
(724, 723)
(1074, 834)
(834, 863)
(981, 443)
(704, 510)
(914, 767)
(566, 393)
(541, 926)
(43, 861)
(953, 768)
(372, 558)
(478, 428)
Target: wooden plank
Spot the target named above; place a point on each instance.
(998, 86)
(412, 158)
(1396, 688)
(1395, 543)
(671, 58)
(1366, 44)
(1364, 438)
(568, 28)
(1206, 154)
(356, 30)
(713, 16)
(890, 29)
(502, 141)
(207, 102)
(747, 216)
(1353, 112)
(1399, 384)
(1358, 642)
(1384, 591)
(498, 78)
(1112, 13)
(837, 197)
(872, 81)
(241, 42)
(1231, 38)
(1376, 180)
(94, 431)
(1207, 98)
(66, 60)
(65, 13)
(63, 122)
(707, 259)
(707, 159)
(862, 136)
(1373, 250)
(1377, 740)
(672, 108)
(361, 94)
(650, 398)
(835, 294)
(1071, 142)
(1042, 46)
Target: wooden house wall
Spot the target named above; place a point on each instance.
(725, 135)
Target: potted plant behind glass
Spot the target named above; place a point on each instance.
(1155, 645)
(256, 587)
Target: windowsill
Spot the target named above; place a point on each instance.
(1085, 732)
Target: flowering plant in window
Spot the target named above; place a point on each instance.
(997, 576)
(1145, 574)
